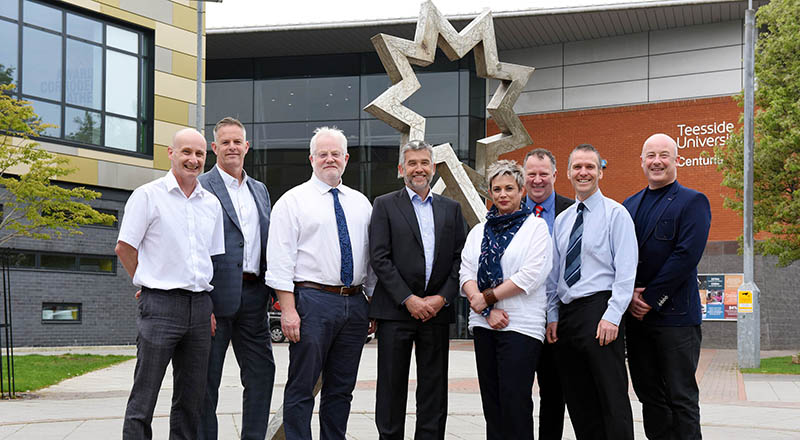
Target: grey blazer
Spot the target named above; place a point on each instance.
(227, 280)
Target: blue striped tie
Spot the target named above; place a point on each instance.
(344, 240)
(572, 271)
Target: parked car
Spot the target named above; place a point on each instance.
(275, 330)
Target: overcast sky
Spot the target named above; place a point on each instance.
(256, 13)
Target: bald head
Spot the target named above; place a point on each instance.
(659, 160)
(662, 140)
(187, 135)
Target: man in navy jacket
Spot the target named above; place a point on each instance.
(663, 327)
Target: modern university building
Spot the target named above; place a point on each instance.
(607, 73)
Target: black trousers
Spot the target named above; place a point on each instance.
(333, 330)
(506, 361)
(593, 377)
(248, 331)
(551, 397)
(173, 325)
(663, 362)
(431, 343)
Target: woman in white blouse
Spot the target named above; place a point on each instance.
(504, 265)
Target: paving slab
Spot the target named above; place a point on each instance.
(733, 406)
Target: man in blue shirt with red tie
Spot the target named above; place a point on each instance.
(540, 176)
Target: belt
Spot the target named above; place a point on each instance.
(247, 276)
(339, 290)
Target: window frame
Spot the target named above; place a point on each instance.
(79, 320)
(37, 262)
(145, 115)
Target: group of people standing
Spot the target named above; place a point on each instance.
(553, 286)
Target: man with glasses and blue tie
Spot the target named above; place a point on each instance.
(589, 289)
(319, 267)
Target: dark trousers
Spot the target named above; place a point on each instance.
(333, 330)
(593, 377)
(663, 362)
(248, 331)
(551, 398)
(506, 361)
(431, 343)
(173, 325)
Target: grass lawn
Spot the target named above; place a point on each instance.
(775, 365)
(34, 371)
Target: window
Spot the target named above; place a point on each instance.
(90, 78)
(63, 262)
(53, 313)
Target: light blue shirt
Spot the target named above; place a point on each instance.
(423, 209)
(548, 209)
(609, 256)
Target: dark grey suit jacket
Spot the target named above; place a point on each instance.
(398, 258)
(562, 203)
(227, 280)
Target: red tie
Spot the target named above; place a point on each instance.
(537, 211)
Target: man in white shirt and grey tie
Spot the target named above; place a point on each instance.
(170, 229)
(319, 267)
(589, 289)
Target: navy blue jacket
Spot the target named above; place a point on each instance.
(227, 280)
(669, 251)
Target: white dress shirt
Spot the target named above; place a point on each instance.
(609, 256)
(247, 212)
(526, 262)
(174, 234)
(303, 240)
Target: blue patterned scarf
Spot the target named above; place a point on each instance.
(497, 234)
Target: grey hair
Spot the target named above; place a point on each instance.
(328, 131)
(541, 153)
(505, 168)
(229, 120)
(414, 146)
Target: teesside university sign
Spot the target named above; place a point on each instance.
(694, 139)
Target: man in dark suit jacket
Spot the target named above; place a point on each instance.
(415, 242)
(540, 176)
(663, 325)
(240, 296)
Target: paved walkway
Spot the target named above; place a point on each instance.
(733, 406)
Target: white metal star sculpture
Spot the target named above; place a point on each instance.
(397, 55)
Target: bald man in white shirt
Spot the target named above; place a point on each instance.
(319, 267)
(170, 229)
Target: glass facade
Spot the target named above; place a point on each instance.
(282, 100)
(92, 80)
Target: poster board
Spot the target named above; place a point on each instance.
(719, 295)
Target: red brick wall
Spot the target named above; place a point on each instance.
(619, 132)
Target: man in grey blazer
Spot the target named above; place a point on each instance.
(240, 295)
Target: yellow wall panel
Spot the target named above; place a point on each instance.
(114, 3)
(184, 65)
(163, 132)
(127, 16)
(160, 159)
(85, 170)
(175, 38)
(171, 110)
(175, 87)
(184, 17)
(88, 4)
(117, 158)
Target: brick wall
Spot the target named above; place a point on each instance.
(619, 132)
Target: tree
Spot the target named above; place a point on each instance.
(776, 170)
(32, 205)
